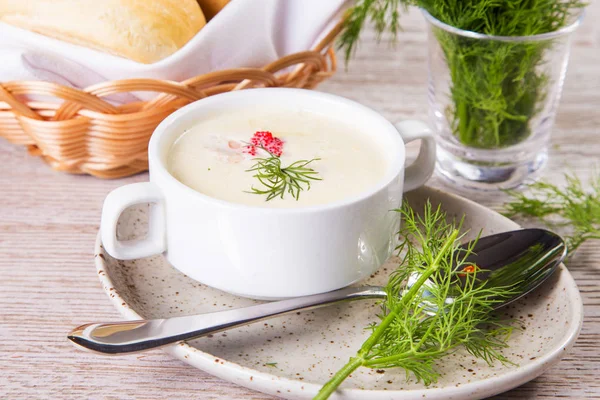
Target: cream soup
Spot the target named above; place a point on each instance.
(213, 157)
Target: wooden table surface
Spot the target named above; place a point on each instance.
(49, 221)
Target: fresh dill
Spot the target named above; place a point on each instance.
(277, 181)
(497, 87)
(572, 207)
(383, 13)
(409, 335)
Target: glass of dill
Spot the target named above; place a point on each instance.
(493, 98)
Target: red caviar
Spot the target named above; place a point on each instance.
(469, 269)
(265, 139)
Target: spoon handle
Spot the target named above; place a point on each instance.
(140, 335)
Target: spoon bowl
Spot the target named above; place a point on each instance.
(523, 259)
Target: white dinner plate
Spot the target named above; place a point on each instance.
(292, 356)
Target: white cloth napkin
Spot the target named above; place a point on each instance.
(246, 33)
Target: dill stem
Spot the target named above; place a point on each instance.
(463, 122)
(360, 359)
(408, 297)
(384, 360)
(338, 378)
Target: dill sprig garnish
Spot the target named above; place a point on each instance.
(410, 335)
(496, 87)
(572, 207)
(277, 180)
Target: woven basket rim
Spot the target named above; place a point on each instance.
(82, 131)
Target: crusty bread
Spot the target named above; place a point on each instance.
(212, 7)
(145, 31)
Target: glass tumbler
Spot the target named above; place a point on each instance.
(492, 102)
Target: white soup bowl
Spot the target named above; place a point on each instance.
(263, 252)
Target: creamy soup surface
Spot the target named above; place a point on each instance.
(213, 156)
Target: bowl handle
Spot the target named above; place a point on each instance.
(116, 202)
(421, 170)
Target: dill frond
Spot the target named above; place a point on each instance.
(573, 207)
(496, 87)
(418, 326)
(277, 181)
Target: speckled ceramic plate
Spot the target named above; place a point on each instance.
(292, 356)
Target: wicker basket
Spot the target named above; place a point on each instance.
(81, 133)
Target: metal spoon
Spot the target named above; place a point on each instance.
(525, 257)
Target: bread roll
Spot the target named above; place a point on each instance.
(142, 30)
(212, 7)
